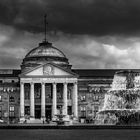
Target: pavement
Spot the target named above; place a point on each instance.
(69, 134)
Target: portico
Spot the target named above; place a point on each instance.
(58, 76)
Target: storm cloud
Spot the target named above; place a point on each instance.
(97, 17)
(92, 33)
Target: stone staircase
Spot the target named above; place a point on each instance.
(34, 121)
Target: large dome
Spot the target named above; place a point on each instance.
(45, 52)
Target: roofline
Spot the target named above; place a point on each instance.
(69, 71)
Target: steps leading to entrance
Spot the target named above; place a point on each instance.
(37, 121)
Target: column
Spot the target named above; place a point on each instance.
(22, 100)
(32, 102)
(65, 101)
(54, 101)
(43, 100)
(75, 100)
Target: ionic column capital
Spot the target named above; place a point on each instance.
(75, 83)
(31, 83)
(42, 83)
(54, 83)
(65, 83)
(21, 83)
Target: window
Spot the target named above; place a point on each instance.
(83, 111)
(59, 93)
(37, 92)
(69, 94)
(11, 99)
(12, 111)
(27, 110)
(27, 91)
(83, 98)
(83, 108)
(96, 98)
(0, 111)
(27, 95)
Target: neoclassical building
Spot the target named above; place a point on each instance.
(46, 74)
(47, 85)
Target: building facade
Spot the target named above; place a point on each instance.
(47, 85)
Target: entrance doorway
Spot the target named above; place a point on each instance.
(69, 110)
(48, 112)
(37, 111)
(27, 110)
(59, 109)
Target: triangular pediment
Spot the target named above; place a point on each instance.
(47, 70)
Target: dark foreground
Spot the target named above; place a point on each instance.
(69, 134)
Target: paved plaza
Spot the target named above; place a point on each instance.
(59, 134)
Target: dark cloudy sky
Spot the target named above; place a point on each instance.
(92, 33)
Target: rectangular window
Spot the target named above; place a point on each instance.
(96, 98)
(83, 111)
(38, 93)
(11, 99)
(27, 95)
(27, 91)
(83, 108)
(12, 111)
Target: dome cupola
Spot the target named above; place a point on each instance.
(45, 49)
(44, 53)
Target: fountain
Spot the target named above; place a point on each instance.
(122, 102)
